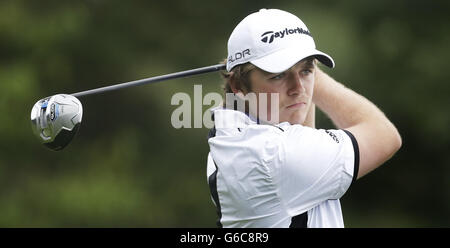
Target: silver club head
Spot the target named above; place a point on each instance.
(55, 120)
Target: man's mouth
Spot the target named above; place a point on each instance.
(296, 105)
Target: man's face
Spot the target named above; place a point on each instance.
(294, 87)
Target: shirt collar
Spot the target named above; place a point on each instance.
(228, 118)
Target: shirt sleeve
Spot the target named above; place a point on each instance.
(314, 166)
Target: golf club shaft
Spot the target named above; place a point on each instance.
(174, 75)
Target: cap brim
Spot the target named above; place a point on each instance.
(284, 59)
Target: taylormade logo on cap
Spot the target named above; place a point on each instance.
(269, 36)
(273, 40)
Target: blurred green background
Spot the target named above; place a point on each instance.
(128, 167)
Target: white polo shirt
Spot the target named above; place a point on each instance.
(278, 176)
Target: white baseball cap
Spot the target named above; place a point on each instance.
(273, 40)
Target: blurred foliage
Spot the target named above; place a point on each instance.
(128, 167)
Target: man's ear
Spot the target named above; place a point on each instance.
(234, 84)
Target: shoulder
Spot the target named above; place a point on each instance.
(307, 135)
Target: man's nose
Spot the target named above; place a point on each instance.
(296, 85)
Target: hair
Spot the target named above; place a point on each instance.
(240, 76)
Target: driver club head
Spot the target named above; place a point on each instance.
(56, 119)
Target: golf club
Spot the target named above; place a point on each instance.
(56, 119)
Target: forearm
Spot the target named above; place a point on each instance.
(345, 107)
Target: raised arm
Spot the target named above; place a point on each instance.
(377, 137)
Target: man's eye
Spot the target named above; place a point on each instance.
(306, 72)
(278, 76)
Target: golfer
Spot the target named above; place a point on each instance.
(276, 169)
